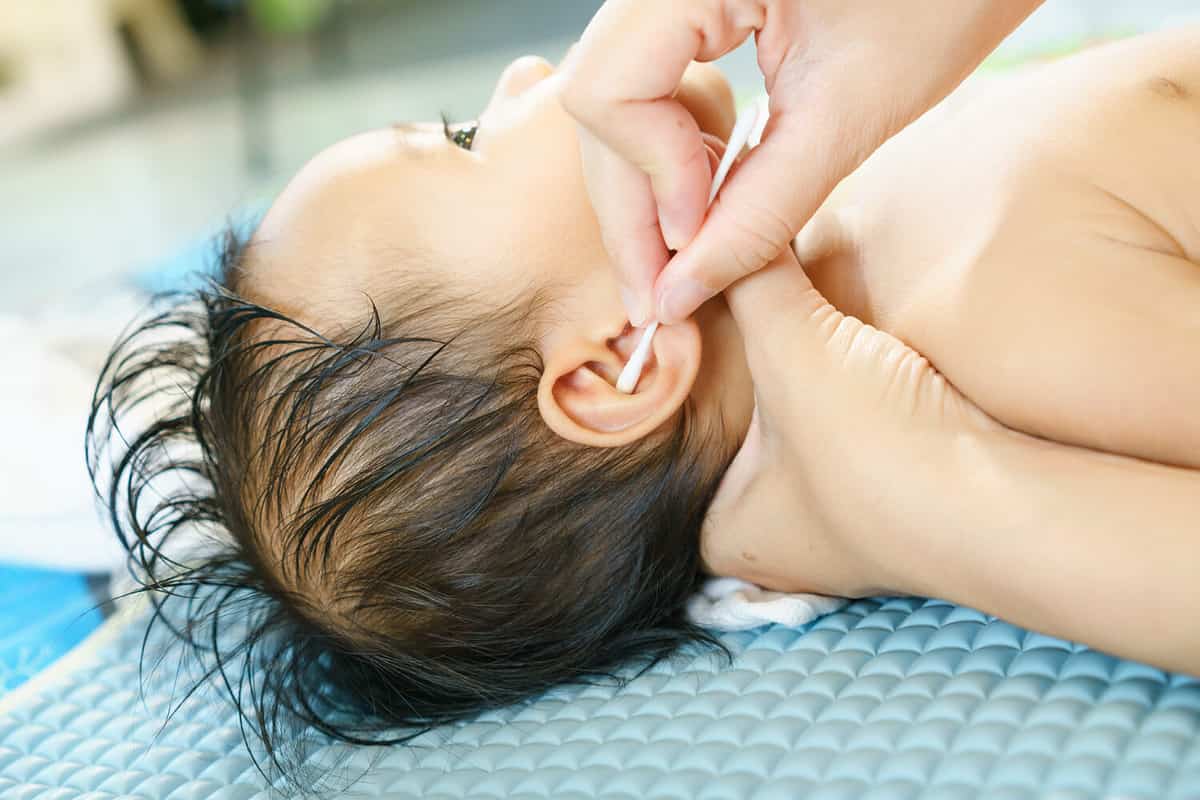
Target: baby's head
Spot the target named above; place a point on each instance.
(401, 405)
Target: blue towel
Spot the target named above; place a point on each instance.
(196, 260)
(43, 614)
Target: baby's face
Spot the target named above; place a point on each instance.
(507, 216)
(492, 220)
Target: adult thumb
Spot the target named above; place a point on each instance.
(772, 193)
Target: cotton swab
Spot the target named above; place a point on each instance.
(743, 129)
(627, 381)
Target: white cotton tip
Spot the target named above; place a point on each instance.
(744, 130)
(629, 377)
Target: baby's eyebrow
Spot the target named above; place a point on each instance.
(422, 130)
(416, 139)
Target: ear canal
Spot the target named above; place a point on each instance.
(579, 400)
(631, 375)
(620, 349)
(624, 343)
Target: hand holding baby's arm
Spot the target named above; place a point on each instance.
(865, 472)
(842, 78)
(849, 454)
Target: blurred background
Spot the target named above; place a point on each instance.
(130, 127)
(130, 130)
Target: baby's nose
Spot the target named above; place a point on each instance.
(521, 75)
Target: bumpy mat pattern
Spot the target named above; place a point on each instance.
(899, 698)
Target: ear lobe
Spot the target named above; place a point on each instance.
(578, 397)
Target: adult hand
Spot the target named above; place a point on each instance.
(849, 456)
(842, 77)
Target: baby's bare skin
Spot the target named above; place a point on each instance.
(1039, 242)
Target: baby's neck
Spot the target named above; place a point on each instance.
(723, 393)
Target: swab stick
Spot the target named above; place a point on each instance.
(745, 126)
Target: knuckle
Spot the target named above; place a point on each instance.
(581, 98)
(774, 229)
(732, 262)
(621, 226)
(757, 237)
(696, 153)
(630, 244)
(665, 164)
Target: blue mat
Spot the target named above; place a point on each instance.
(43, 614)
(900, 698)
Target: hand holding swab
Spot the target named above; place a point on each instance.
(745, 126)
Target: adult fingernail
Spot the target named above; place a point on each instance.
(675, 236)
(672, 236)
(633, 306)
(680, 299)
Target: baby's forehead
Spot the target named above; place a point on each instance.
(383, 211)
(334, 286)
(340, 232)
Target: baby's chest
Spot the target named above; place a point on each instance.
(1042, 248)
(981, 210)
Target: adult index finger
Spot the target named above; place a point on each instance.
(628, 215)
(620, 85)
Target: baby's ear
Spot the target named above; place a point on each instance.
(578, 395)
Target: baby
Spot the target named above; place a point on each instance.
(400, 407)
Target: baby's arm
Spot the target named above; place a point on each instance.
(1087, 546)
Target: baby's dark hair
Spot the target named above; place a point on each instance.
(397, 538)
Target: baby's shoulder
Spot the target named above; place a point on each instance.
(1114, 129)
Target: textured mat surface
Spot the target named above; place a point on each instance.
(901, 698)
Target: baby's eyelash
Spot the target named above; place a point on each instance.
(464, 136)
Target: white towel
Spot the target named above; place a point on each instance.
(48, 514)
(734, 605)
